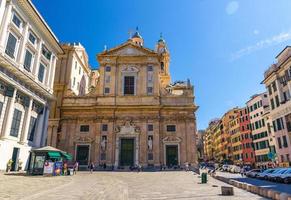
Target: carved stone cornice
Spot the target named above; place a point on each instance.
(83, 139)
(171, 139)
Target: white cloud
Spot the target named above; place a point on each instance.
(232, 7)
(276, 39)
(256, 32)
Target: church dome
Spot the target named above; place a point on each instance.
(136, 38)
(136, 35)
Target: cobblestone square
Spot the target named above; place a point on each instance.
(115, 186)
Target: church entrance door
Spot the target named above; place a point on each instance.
(82, 154)
(171, 155)
(127, 152)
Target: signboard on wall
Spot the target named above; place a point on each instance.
(58, 168)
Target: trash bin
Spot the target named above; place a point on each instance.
(204, 178)
(71, 172)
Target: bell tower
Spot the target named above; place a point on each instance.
(162, 50)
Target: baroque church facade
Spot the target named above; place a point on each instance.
(127, 112)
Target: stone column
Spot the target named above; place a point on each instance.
(54, 136)
(49, 135)
(289, 88)
(143, 142)
(137, 149)
(156, 144)
(8, 114)
(22, 48)
(53, 69)
(116, 152)
(26, 122)
(37, 60)
(279, 90)
(5, 21)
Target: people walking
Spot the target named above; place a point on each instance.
(91, 167)
(76, 167)
(186, 167)
(242, 171)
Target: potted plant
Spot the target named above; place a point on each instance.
(19, 165)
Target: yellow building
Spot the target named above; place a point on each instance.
(235, 135)
(132, 114)
(226, 137)
(210, 141)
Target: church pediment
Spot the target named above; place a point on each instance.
(128, 49)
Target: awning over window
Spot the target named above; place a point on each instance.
(68, 156)
(54, 154)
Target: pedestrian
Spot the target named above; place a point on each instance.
(138, 168)
(76, 167)
(91, 167)
(186, 167)
(242, 171)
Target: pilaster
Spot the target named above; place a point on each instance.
(5, 21)
(26, 122)
(8, 114)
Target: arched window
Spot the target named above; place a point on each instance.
(162, 66)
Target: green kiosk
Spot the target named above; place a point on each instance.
(39, 156)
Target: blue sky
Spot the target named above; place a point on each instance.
(222, 46)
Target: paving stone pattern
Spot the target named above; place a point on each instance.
(116, 186)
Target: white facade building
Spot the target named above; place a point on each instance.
(28, 55)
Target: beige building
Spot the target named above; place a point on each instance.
(28, 55)
(277, 81)
(132, 113)
(258, 113)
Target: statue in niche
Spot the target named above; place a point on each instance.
(150, 143)
(103, 143)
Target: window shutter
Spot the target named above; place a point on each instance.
(11, 45)
(41, 72)
(27, 60)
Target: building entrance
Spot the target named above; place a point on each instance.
(171, 155)
(126, 152)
